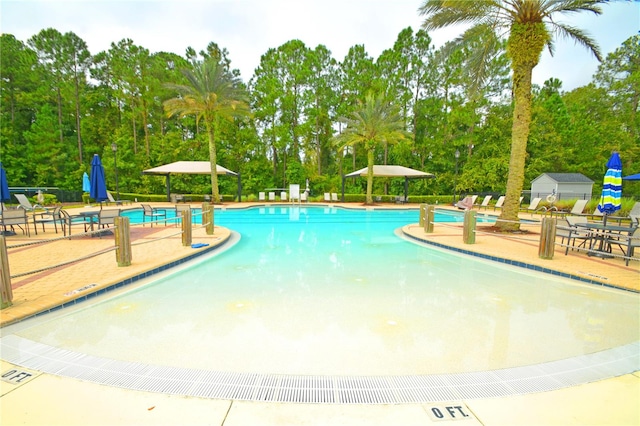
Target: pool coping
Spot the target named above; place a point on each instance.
(516, 263)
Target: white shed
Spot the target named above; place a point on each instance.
(566, 186)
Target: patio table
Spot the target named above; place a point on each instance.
(603, 236)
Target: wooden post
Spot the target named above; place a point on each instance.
(546, 249)
(5, 276)
(423, 211)
(123, 240)
(207, 217)
(469, 227)
(186, 228)
(428, 218)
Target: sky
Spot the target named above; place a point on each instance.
(248, 28)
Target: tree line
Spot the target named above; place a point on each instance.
(60, 104)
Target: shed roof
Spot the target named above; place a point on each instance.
(567, 177)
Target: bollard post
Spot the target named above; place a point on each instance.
(123, 240)
(5, 276)
(423, 211)
(428, 219)
(469, 227)
(207, 217)
(546, 249)
(186, 228)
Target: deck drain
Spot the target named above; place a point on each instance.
(321, 389)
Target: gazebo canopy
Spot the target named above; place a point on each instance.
(189, 168)
(391, 171)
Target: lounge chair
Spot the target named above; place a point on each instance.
(116, 202)
(153, 214)
(294, 192)
(499, 203)
(327, 196)
(533, 205)
(15, 217)
(25, 203)
(334, 197)
(303, 196)
(466, 203)
(261, 196)
(54, 217)
(283, 196)
(272, 196)
(485, 202)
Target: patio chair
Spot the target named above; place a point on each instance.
(303, 196)
(15, 217)
(25, 203)
(69, 220)
(206, 198)
(283, 196)
(261, 196)
(485, 202)
(179, 209)
(179, 198)
(632, 242)
(272, 196)
(575, 233)
(334, 197)
(327, 196)
(153, 214)
(54, 217)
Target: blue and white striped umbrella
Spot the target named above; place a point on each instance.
(611, 199)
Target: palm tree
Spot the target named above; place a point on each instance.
(528, 26)
(375, 121)
(212, 93)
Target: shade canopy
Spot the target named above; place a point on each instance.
(190, 168)
(391, 171)
(632, 177)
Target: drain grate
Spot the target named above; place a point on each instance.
(321, 389)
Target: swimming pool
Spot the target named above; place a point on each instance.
(318, 292)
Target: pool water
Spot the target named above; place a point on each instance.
(313, 290)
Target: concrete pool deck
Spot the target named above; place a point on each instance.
(49, 399)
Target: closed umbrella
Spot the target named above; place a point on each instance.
(4, 187)
(4, 196)
(611, 198)
(98, 187)
(86, 185)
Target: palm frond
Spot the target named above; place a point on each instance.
(579, 36)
